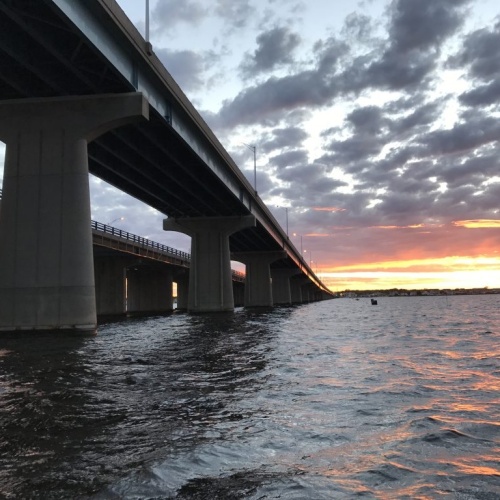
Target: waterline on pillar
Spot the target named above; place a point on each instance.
(80, 330)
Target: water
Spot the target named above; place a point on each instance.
(332, 400)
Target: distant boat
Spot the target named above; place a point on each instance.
(374, 302)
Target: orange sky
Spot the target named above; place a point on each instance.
(465, 254)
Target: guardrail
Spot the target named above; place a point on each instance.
(148, 244)
(139, 240)
(145, 243)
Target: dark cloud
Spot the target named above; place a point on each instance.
(269, 102)
(354, 149)
(367, 120)
(274, 48)
(480, 54)
(474, 131)
(282, 138)
(423, 25)
(289, 158)
(484, 95)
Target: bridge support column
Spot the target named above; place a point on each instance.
(296, 286)
(282, 293)
(46, 262)
(110, 275)
(210, 277)
(149, 290)
(258, 283)
(239, 293)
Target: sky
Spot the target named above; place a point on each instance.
(376, 126)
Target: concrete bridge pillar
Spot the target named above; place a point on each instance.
(239, 293)
(149, 289)
(210, 277)
(46, 261)
(258, 283)
(110, 274)
(282, 292)
(296, 287)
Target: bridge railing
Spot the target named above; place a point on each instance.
(145, 243)
(139, 240)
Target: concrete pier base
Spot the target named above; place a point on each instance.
(210, 277)
(46, 261)
(258, 283)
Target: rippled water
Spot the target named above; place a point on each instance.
(332, 400)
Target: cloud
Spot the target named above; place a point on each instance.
(274, 49)
(423, 25)
(282, 138)
(237, 13)
(166, 15)
(185, 66)
(480, 54)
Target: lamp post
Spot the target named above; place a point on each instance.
(147, 20)
(301, 250)
(253, 148)
(114, 220)
(286, 214)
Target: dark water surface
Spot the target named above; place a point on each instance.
(333, 400)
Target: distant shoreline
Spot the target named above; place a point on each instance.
(428, 292)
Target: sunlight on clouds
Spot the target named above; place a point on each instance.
(329, 209)
(477, 223)
(417, 281)
(451, 264)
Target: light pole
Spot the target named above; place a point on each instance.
(147, 20)
(301, 250)
(253, 148)
(114, 220)
(286, 213)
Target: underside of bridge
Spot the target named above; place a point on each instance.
(42, 55)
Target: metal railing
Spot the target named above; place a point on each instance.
(145, 243)
(148, 244)
(139, 240)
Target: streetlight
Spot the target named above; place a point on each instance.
(253, 148)
(114, 220)
(147, 20)
(301, 251)
(286, 212)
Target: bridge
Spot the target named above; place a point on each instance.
(81, 91)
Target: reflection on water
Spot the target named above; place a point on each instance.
(330, 400)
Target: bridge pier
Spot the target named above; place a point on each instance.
(46, 261)
(239, 293)
(210, 276)
(297, 284)
(110, 275)
(282, 291)
(149, 289)
(258, 283)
